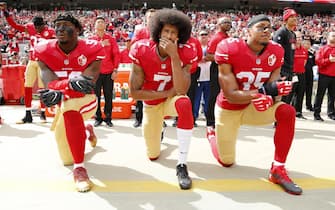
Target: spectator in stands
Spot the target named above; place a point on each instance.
(108, 71)
(38, 31)
(325, 59)
(286, 37)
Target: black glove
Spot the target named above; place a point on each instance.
(277, 88)
(82, 84)
(50, 97)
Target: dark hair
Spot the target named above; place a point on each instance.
(257, 19)
(38, 21)
(70, 18)
(100, 18)
(172, 17)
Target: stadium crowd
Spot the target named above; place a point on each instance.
(122, 23)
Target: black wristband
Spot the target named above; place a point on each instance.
(262, 90)
(271, 88)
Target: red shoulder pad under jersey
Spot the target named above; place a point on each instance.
(226, 49)
(138, 49)
(277, 50)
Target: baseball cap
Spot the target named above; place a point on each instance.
(288, 12)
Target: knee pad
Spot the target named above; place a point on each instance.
(185, 116)
(285, 112)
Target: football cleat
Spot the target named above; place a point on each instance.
(27, 119)
(82, 182)
(92, 137)
(185, 182)
(210, 133)
(278, 175)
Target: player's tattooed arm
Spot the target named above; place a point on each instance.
(46, 74)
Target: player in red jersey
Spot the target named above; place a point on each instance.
(249, 92)
(161, 78)
(38, 31)
(69, 68)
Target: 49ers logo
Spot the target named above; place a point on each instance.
(82, 60)
(272, 60)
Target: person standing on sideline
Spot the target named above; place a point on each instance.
(142, 32)
(298, 90)
(69, 69)
(325, 59)
(309, 75)
(108, 71)
(38, 31)
(249, 92)
(161, 78)
(285, 36)
(224, 25)
(203, 87)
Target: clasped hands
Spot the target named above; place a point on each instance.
(264, 98)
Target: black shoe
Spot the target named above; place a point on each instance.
(27, 119)
(42, 117)
(164, 124)
(310, 108)
(185, 182)
(331, 116)
(162, 133)
(299, 115)
(318, 118)
(109, 123)
(97, 122)
(137, 124)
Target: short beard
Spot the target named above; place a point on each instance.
(63, 42)
(264, 43)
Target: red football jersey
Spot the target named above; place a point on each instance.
(112, 53)
(158, 72)
(35, 38)
(250, 70)
(214, 41)
(73, 64)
